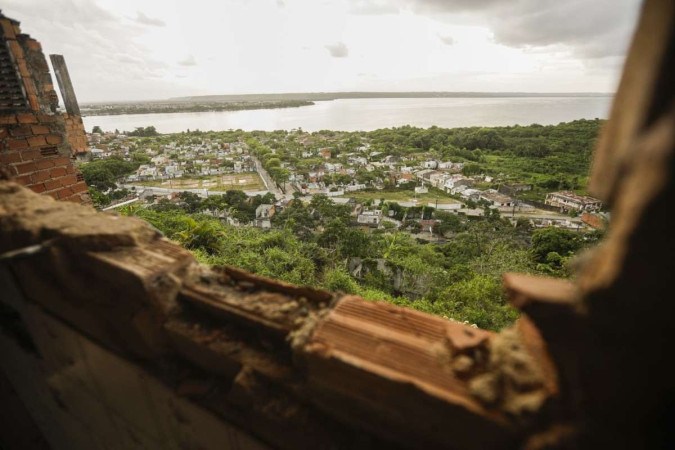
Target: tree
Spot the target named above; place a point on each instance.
(554, 240)
(97, 129)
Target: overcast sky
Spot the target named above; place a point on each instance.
(154, 49)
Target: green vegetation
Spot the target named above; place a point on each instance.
(101, 176)
(314, 244)
(142, 132)
(402, 195)
(181, 107)
(549, 157)
(319, 244)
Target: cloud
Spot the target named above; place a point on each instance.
(338, 50)
(145, 20)
(373, 7)
(101, 47)
(454, 6)
(591, 29)
(446, 39)
(189, 61)
(281, 4)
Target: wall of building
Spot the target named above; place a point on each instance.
(37, 142)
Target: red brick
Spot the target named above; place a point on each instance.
(37, 141)
(33, 45)
(26, 118)
(8, 29)
(10, 157)
(62, 161)
(42, 175)
(40, 129)
(57, 172)
(30, 154)
(54, 139)
(45, 163)
(23, 179)
(50, 185)
(7, 120)
(79, 187)
(38, 188)
(68, 180)
(47, 118)
(25, 168)
(23, 130)
(17, 143)
(66, 192)
(70, 169)
(4, 132)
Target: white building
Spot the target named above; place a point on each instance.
(370, 217)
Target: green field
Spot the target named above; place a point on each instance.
(404, 196)
(238, 181)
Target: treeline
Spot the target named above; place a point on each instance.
(152, 108)
(550, 157)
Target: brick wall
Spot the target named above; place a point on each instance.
(37, 143)
(75, 134)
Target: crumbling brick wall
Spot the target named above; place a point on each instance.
(37, 142)
(75, 134)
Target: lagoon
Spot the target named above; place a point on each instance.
(374, 113)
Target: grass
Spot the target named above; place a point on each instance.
(239, 181)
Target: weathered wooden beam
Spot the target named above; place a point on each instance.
(65, 85)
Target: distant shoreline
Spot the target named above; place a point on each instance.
(325, 96)
(129, 108)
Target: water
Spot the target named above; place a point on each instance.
(371, 114)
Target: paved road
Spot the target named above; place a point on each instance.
(270, 184)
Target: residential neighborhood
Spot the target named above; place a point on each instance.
(303, 165)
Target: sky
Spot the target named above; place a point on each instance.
(155, 49)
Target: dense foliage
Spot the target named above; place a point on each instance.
(314, 244)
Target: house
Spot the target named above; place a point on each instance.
(430, 164)
(370, 217)
(454, 181)
(471, 194)
(569, 201)
(333, 167)
(263, 214)
(264, 211)
(403, 178)
(355, 187)
(437, 179)
(496, 199)
(358, 160)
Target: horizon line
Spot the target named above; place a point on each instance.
(410, 94)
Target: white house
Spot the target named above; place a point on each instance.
(370, 217)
